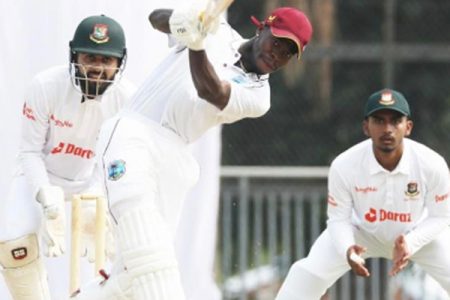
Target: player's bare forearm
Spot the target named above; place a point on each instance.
(208, 84)
(159, 18)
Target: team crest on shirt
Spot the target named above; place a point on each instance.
(28, 112)
(116, 169)
(412, 190)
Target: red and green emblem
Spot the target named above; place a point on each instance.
(99, 34)
(412, 189)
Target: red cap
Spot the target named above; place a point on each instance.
(289, 23)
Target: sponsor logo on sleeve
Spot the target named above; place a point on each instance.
(28, 112)
(116, 169)
(441, 198)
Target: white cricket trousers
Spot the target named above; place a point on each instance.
(309, 278)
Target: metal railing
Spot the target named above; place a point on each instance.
(270, 216)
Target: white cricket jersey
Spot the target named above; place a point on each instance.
(59, 132)
(169, 97)
(412, 199)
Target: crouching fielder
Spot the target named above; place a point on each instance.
(388, 197)
(208, 79)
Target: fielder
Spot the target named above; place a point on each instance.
(388, 197)
(212, 76)
(63, 110)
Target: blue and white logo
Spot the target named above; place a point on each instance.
(116, 169)
(239, 79)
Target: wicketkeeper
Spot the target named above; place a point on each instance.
(62, 113)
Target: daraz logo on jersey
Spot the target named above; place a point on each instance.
(384, 215)
(68, 148)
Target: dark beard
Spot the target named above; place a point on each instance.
(91, 89)
(386, 149)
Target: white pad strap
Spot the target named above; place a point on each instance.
(23, 269)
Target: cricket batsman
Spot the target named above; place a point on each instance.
(212, 76)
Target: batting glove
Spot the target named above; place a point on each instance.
(188, 27)
(54, 222)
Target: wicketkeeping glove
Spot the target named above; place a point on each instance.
(54, 221)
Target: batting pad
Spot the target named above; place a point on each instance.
(23, 269)
(147, 250)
